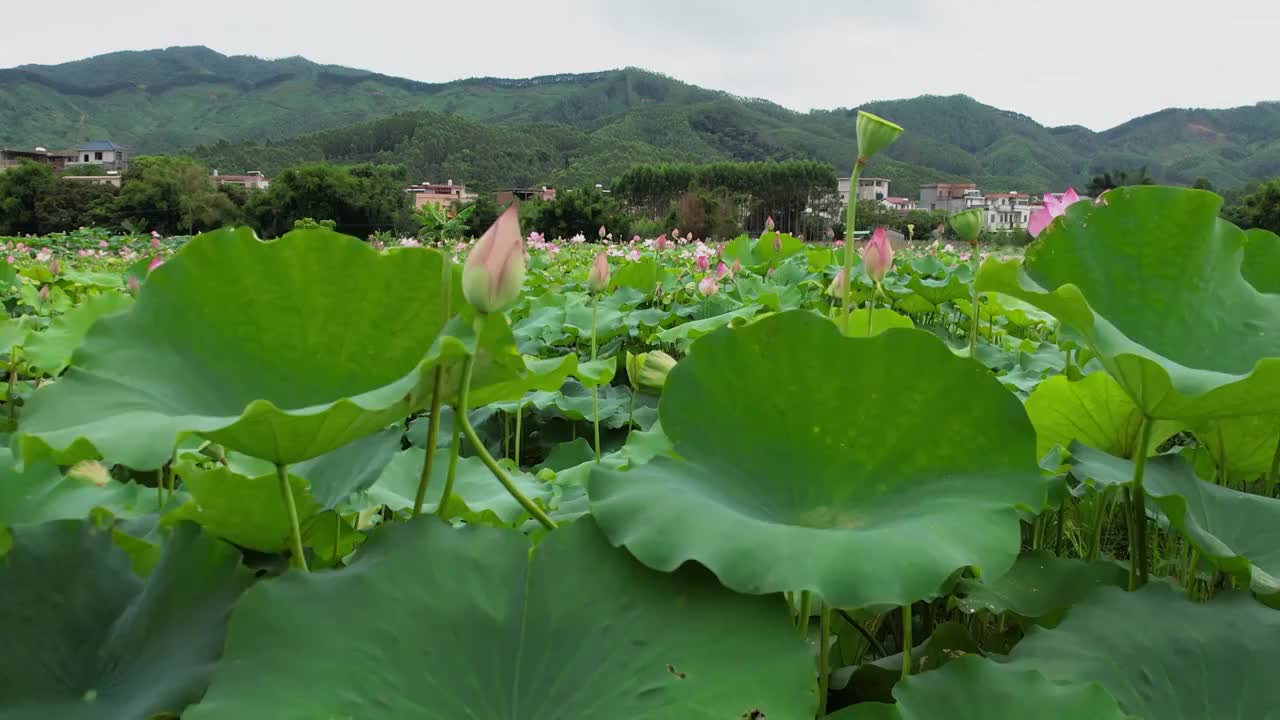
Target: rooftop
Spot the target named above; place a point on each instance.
(99, 146)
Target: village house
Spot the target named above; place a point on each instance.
(1007, 211)
(506, 197)
(113, 178)
(13, 157)
(103, 153)
(869, 188)
(950, 197)
(252, 180)
(900, 204)
(442, 195)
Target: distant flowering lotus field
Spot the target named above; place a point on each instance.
(597, 477)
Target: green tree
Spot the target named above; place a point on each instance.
(172, 195)
(21, 191)
(1258, 209)
(581, 210)
(360, 200)
(1118, 178)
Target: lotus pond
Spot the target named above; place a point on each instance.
(314, 479)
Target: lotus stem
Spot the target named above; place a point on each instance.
(974, 323)
(849, 225)
(299, 559)
(433, 437)
(802, 618)
(455, 446)
(824, 659)
(1191, 573)
(519, 426)
(1057, 540)
(906, 641)
(595, 390)
(437, 387)
(862, 630)
(1139, 555)
(871, 308)
(13, 384)
(483, 452)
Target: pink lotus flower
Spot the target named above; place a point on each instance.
(635, 239)
(11, 259)
(839, 244)
(409, 243)
(703, 262)
(634, 255)
(598, 276)
(155, 241)
(877, 255)
(103, 243)
(1054, 206)
(661, 243)
(494, 272)
(736, 268)
(156, 262)
(721, 270)
(708, 286)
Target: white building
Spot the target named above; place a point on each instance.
(869, 188)
(950, 197)
(1007, 211)
(103, 153)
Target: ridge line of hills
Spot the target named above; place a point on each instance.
(569, 129)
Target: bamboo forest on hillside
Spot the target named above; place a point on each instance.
(542, 471)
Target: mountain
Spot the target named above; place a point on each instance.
(240, 112)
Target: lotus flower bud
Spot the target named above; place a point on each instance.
(874, 134)
(155, 241)
(494, 272)
(777, 243)
(54, 267)
(44, 293)
(602, 232)
(836, 288)
(721, 270)
(649, 370)
(598, 276)
(709, 286)
(877, 255)
(133, 285)
(967, 224)
(911, 231)
(156, 262)
(91, 471)
(703, 262)
(768, 224)
(661, 243)
(735, 268)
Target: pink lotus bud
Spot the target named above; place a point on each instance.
(155, 242)
(836, 288)
(598, 276)
(675, 233)
(708, 286)
(1054, 206)
(103, 243)
(703, 262)
(721, 270)
(54, 267)
(494, 272)
(661, 243)
(736, 268)
(635, 239)
(688, 237)
(156, 262)
(133, 285)
(777, 243)
(44, 293)
(602, 231)
(11, 259)
(877, 254)
(768, 224)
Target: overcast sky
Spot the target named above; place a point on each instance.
(1090, 62)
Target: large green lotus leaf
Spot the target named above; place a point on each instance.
(1152, 281)
(1163, 656)
(695, 329)
(334, 476)
(937, 292)
(284, 350)
(51, 349)
(1236, 531)
(86, 639)
(38, 493)
(488, 629)
(1095, 411)
(1039, 584)
(974, 688)
(881, 319)
(1246, 445)
(247, 510)
(817, 470)
(477, 494)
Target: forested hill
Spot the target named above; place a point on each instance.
(249, 113)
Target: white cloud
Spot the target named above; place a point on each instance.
(1090, 62)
